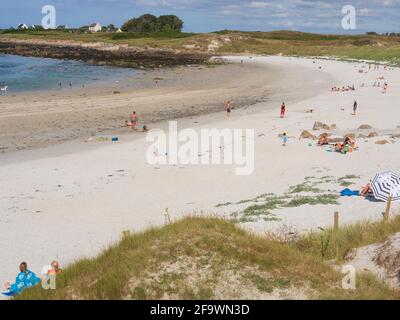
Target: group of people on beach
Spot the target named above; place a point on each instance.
(133, 122)
(28, 279)
(343, 88)
(69, 84)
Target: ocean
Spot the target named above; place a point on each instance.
(21, 74)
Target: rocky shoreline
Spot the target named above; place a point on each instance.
(102, 53)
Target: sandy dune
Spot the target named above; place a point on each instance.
(71, 200)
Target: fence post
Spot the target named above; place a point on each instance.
(167, 218)
(336, 221)
(387, 211)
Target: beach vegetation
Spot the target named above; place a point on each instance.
(210, 258)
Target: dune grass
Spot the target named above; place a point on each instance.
(210, 258)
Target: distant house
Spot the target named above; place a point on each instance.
(37, 27)
(22, 26)
(114, 30)
(95, 27)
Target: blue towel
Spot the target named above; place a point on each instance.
(349, 193)
(24, 280)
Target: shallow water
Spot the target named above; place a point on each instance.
(33, 74)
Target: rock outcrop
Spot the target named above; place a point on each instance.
(102, 53)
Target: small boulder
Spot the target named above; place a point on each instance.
(365, 127)
(326, 127)
(373, 134)
(382, 142)
(333, 126)
(335, 140)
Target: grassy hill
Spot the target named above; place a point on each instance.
(373, 47)
(209, 258)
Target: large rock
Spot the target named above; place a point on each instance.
(318, 125)
(307, 135)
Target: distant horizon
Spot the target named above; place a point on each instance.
(204, 16)
(233, 30)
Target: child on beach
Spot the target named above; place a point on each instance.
(283, 110)
(355, 105)
(285, 139)
(228, 107)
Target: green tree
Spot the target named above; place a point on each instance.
(150, 23)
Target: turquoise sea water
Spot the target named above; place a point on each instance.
(33, 74)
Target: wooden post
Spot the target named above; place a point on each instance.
(336, 221)
(387, 211)
(167, 218)
(335, 232)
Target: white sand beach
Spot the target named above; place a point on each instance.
(71, 200)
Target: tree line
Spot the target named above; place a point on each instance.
(151, 23)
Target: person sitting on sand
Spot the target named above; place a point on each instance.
(134, 120)
(323, 140)
(366, 191)
(25, 279)
(55, 268)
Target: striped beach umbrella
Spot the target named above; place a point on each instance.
(386, 185)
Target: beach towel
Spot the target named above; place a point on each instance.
(24, 280)
(349, 193)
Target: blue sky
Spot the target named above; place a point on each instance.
(211, 15)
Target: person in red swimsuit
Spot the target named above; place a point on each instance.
(283, 110)
(134, 120)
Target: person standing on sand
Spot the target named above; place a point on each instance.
(283, 110)
(285, 139)
(134, 120)
(355, 105)
(228, 107)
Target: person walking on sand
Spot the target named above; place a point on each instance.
(228, 107)
(283, 110)
(285, 139)
(134, 120)
(355, 106)
(385, 86)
